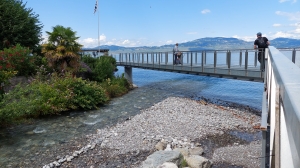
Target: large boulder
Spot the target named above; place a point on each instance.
(196, 161)
(160, 157)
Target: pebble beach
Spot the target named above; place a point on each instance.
(191, 123)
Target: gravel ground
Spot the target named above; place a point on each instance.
(128, 143)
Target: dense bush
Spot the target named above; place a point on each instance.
(102, 67)
(51, 97)
(17, 58)
(89, 60)
(116, 86)
(16, 61)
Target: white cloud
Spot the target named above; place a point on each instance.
(169, 42)
(205, 11)
(292, 16)
(102, 37)
(192, 33)
(245, 38)
(297, 30)
(89, 42)
(282, 34)
(295, 24)
(276, 25)
(282, 1)
(126, 42)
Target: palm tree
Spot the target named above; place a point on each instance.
(62, 50)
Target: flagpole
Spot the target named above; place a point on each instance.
(98, 27)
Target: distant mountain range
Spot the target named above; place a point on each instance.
(208, 43)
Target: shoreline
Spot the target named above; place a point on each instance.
(115, 145)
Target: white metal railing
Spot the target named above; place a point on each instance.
(281, 112)
(236, 63)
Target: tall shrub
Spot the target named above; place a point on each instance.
(105, 67)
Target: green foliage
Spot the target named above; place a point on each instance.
(117, 86)
(17, 58)
(90, 61)
(52, 96)
(88, 94)
(183, 164)
(19, 25)
(102, 67)
(62, 49)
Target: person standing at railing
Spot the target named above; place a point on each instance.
(176, 55)
(261, 43)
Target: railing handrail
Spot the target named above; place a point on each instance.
(283, 107)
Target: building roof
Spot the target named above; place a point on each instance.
(93, 49)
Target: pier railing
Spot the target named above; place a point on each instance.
(281, 112)
(236, 63)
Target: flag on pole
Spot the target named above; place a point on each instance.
(96, 7)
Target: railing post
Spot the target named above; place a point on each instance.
(133, 58)
(196, 58)
(229, 58)
(215, 59)
(294, 56)
(147, 58)
(159, 57)
(152, 57)
(129, 58)
(138, 58)
(205, 57)
(229, 62)
(262, 60)
(241, 57)
(202, 62)
(191, 61)
(255, 58)
(166, 57)
(246, 63)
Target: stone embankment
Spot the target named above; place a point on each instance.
(173, 133)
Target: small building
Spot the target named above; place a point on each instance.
(93, 51)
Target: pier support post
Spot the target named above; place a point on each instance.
(128, 73)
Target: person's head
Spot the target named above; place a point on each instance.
(258, 34)
(176, 44)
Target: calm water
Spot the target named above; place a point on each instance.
(21, 143)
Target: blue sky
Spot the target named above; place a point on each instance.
(133, 23)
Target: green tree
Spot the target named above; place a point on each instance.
(18, 25)
(62, 49)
